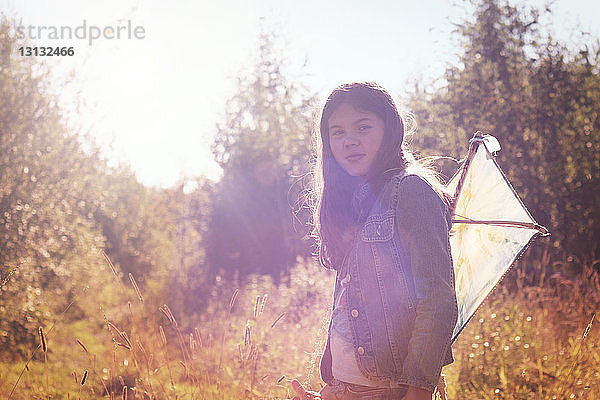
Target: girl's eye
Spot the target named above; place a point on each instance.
(337, 132)
(363, 128)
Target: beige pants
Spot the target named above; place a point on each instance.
(348, 391)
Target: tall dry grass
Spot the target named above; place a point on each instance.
(532, 339)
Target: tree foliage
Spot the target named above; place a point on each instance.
(540, 100)
(188, 206)
(263, 146)
(59, 207)
(49, 242)
(139, 230)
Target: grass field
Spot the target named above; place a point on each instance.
(532, 339)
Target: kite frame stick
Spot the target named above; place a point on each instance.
(507, 224)
(473, 145)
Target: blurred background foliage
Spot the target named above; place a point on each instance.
(263, 146)
(189, 245)
(540, 99)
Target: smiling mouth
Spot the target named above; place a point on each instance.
(355, 157)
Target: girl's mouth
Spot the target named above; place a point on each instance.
(354, 157)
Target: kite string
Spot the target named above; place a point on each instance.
(435, 158)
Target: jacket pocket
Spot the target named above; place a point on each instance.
(378, 228)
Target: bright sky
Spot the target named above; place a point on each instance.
(154, 102)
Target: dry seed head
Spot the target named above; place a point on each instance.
(247, 334)
(279, 317)
(110, 264)
(185, 368)
(162, 310)
(7, 277)
(125, 345)
(121, 334)
(112, 326)
(126, 337)
(247, 351)
(85, 375)
(253, 352)
(198, 337)
(256, 306)
(589, 326)
(282, 377)
(163, 338)
(136, 288)
(262, 305)
(124, 392)
(43, 339)
(233, 298)
(82, 345)
(167, 312)
(74, 374)
(142, 349)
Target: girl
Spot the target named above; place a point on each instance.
(382, 223)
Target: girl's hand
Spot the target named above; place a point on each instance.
(327, 393)
(303, 394)
(415, 393)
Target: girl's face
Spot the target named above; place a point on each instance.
(355, 137)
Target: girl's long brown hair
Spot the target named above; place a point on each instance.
(333, 211)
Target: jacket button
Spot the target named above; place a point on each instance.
(345, 280)
(360, 350)
(354, 313)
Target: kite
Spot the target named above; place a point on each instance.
(491, 228)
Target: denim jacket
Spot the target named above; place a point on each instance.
(401, 300)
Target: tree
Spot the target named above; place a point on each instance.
(538, 99)
(188, 204)
(263, 145)
(138, 226)
(59, 207)
(49, 242)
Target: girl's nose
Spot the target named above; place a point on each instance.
(350, 141)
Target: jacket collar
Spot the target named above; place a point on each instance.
(363, 200)
(366, 193)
